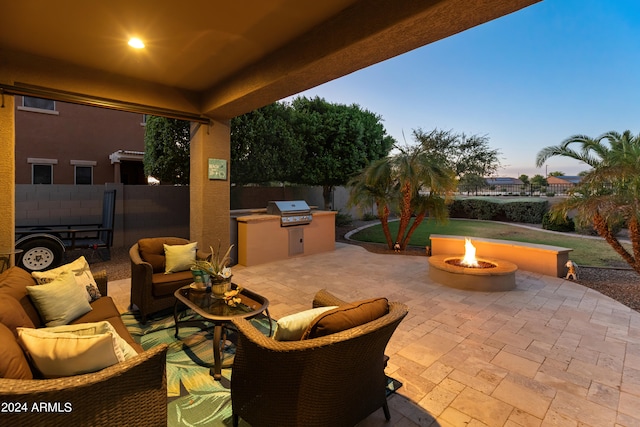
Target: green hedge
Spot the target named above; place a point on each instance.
(527, 211)
(565, 224)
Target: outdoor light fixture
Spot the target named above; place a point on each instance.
(136, 43)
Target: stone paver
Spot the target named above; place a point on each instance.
(549, 353)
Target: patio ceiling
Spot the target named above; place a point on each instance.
(214, 59)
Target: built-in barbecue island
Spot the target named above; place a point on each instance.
(285, 229)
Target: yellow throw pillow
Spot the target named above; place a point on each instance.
(81, 271)
(60, 301)
(291, 328)
(65, 353)
(96, 328)
(179, 257)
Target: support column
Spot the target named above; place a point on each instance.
(210, 199)
(7, 173)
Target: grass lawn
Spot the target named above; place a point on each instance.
(592, 252)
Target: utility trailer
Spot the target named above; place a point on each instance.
(42, 247)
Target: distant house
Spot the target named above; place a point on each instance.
(561, 184)
(62, 143)
(564, 179)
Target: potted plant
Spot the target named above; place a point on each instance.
(215, 268)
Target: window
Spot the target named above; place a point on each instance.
(42, 174)
(38, 103)
(83, 171)
(41, 170)
(84, 175)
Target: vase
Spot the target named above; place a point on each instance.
(196, 272)
(220, 285)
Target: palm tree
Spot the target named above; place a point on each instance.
(411, 182)
(375, 185)
(609, 193)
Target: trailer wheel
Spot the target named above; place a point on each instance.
(40, 254)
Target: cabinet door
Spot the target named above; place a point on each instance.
(296, 241)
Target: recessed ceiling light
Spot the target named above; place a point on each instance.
(136, 43)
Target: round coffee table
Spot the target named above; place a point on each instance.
(215, 310)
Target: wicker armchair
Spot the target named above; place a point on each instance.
(335, 380)
(151, 289)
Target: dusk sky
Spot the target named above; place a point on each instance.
(527, 80)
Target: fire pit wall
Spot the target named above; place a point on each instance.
(543, 259)
(499, 277)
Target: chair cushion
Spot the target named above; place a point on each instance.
(179, 257)
(13, 363)
(14, 282)
(291, 328)
(346, 317)
(166, 284)
(152, 250)
(61, 300)
(12, 315)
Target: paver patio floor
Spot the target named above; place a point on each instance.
(549, 353)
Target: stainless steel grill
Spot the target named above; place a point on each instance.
(291, 212)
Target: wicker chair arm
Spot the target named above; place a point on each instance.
(202, 255)
(324, 298)
(134, 254)
(128, 393)
(141, 274)
(101, 280)
(396, 311)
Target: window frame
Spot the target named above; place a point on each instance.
(24, 107)
(90, 164)
(33, 173)
(33, 161)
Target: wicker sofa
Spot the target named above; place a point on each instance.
(133, 392)
(332, 380)
(151, 289)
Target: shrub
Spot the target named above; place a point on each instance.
(369, 217)
(530, 212)
(474, 209)
(558, 224)
(550, 194)
(343, 219)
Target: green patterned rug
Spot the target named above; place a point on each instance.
(194, 398)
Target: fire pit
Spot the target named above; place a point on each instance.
(471, 273)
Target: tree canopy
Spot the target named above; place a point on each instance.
(538, 182)
(462, 153)
(419, 180)
(339, 141)
(609, 193)
(309, 141)
(265, 146)
(166, 149)
(411, 182)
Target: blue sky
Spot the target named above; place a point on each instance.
(527, 80)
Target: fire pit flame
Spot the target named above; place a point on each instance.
(469, 259)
